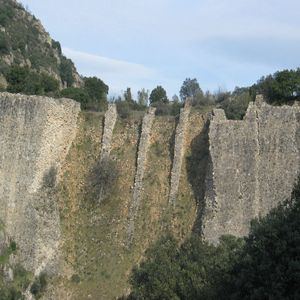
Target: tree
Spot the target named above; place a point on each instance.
(128, 95)
(97, 91)
(264, 265)
(175, 99)
(77, 94)
(236, 105)
(193, 270)
(156, 277)
(143, 97)
(190, 89)
(96, 88)
(269, 265)
(280, 87)
(158, 95)
(103, 179)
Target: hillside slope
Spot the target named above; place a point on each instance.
(25, 43)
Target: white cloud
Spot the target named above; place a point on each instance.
(221, 42)
(118, 74)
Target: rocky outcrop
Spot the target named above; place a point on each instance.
(140, 169)
(36, 133)
(39, 52)
(109, 125)
(179, 149)
(253, 166)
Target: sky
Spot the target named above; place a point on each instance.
(145, 43)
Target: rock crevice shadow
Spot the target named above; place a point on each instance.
(197, 165)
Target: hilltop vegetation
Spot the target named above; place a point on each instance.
(32, 63)
(25, 43)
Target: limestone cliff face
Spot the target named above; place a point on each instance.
(35, 136)
(47, 207)
(253, 166)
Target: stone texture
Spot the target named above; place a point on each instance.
(109, 125)
(253, 166)
(179, 149)
(140, 169)
(35, 136)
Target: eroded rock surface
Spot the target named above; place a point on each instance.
(253, 166)
(140, 170)
(179, 150)
(35, 136)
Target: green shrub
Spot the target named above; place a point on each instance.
(280, 87)
(123, 109)
(56, 45)
(75, 278)
(77, 94)
(236, 106)
(264, 265)
(49, 178)
(6, 14)
(39, 285)
(171, 109)
(102, 180)
(66, 71)
(190, 271)
(4, 43)
(24, 80)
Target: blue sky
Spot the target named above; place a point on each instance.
(143, 43)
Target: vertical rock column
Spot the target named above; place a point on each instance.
(109, 125)
(140, 170)
(178, 153)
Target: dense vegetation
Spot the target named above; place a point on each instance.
(282, 87)
(264, 265)
(24, 80)
(24, 42)
(279, 88)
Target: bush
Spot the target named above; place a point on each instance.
(75, 278)
(66, 71)
(56, 45)
(264, 265)
(6, 14)
(23, 80)
(49, 178)
(269, 265)
(190, 271)
(164, 109)
(4, 44)
(76, 94)
(123, 109)
(48, 83)
(236, 106)
(97, 91)
(39, 285)
(103, 179)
